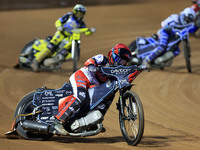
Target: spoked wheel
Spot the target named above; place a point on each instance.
(25, 51)
(26, 106)
(187, 55)
(132, 121)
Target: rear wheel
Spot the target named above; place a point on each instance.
(26, 106)
(132, 121)
(26, 52)
(187, 55)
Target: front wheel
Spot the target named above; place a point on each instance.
(187, 55)
(76, 55)
(26, 106)
(132, 118)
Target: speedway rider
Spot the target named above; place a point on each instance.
(196, 8)
(86, 77)
(64, 26)
(175, 20)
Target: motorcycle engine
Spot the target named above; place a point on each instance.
(90, 119)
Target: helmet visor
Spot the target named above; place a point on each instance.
(189, 18)
(80, 14)
(125, 54)
(120, 61)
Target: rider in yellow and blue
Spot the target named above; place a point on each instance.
(64, 25)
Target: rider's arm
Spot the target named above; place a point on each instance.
(89, 31)
(172, 20)
(169, 23)
(59, 23)
(97, 60)
(132, 76)
(100, 59)
(194, 29)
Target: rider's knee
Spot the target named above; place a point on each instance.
(162, 47)
(67, 45)
(81, 94)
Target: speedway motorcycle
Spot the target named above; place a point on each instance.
(35, 112)
(53, 62)
(143, 46)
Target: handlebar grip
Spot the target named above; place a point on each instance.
(92, 29)
(141, 67)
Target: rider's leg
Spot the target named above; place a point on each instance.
(57, 38)
(44, 53)
(79, 83)
(65, 52)
(176, 52)
(68, 48)
(163, 40)
(105, 104)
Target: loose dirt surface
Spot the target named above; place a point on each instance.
(170, 97)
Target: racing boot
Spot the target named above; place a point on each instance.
(66, 52)
(57, 128)
(35, 65)
(146, 62)
(39, 58)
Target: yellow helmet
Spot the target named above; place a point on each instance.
(79, 11)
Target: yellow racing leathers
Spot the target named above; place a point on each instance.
(64, 26)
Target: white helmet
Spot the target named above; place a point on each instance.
(187, 16)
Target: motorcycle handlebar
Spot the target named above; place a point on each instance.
(138, 68)
(142, 68)
(80, 30)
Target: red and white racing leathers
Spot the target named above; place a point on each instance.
(81, 80)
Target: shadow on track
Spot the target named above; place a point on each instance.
(147, 141)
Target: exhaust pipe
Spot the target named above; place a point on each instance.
(34, 126)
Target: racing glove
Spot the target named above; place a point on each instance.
(92, 68)
(90, 31)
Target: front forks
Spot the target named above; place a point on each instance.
(120, 104)
(132, 107)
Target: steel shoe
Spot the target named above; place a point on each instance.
(57, 128)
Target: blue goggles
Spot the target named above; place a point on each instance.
(118, 59)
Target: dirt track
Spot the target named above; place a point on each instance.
(170, 98)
